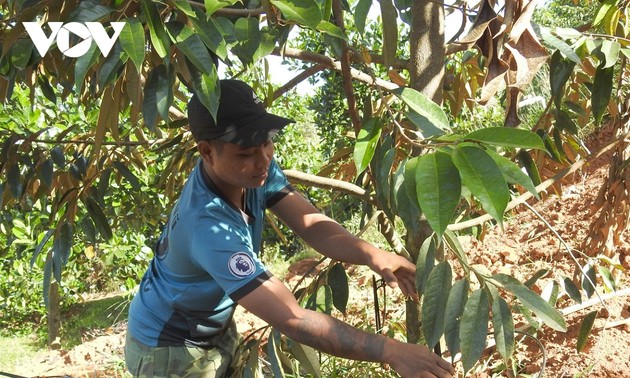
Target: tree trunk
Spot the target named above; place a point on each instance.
(426, 69)
(54, 316)
(426, 66)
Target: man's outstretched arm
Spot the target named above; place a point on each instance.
(332, 240)
(276, 305)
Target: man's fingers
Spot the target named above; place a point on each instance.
(445, 365)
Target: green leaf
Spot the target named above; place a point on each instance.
(406, 208)
(249, 37)
(552, 317)
(303, 12)
(602, 89)
(434, 303)
(550, 293)
(158, 95)
(331, 29)
(338, 282)
(267, 43)
(188, 42)
(159, 38)
(425, 264)
(585, 330)
(607, 278)
(530, 166)
(99, 218)
(588, 280)
(474, 328)
(422, 105)
(83, 64)
(513, 173)
(571, 289)
(610, 49)
(21, 53)
(46, 172)
(452, 241)
(214, 5)
(87, 226)
(89, 11)
(410, 181)
(603, 10)
(565, 122)
(424, 125)
(438, 189)
(149, 101)
(321, 300)
(273, 348)
(455, 303)
(366, 144)
(208, 90)
(57, 264)
(47, 89)
(14, 179)
(557, 43)
(110, 69)
(560, 70)
(210, 33)
(482, 176)
(132, 41)
(389, 18)
(164, 93)
(539, 274)
(507, 137)
(307, 356)
(360, 14)
(48, 272)
(65, 241)
(41, 245)
(127, 174)
(503, 327)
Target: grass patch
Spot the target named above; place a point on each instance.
(88, 319)
(18, 350)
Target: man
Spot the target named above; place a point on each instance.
(206, 262)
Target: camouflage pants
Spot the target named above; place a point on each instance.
(178, 362)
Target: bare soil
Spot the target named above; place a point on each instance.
(525, 246)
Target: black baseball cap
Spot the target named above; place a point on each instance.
(241, 117)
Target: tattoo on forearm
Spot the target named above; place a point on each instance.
(335, 337)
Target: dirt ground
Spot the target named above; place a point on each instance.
(525, 246)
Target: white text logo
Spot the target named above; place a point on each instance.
(61, 32)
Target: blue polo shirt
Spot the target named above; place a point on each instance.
(206, 260)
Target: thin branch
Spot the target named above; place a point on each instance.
(328, 183)
(345, 70)
(541, 187)
(334, 65)
(297, 80)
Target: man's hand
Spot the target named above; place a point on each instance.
(417, 361)
(397, 271)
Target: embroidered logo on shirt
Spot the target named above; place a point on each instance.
(241, 265)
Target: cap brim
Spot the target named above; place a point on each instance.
(257, 131)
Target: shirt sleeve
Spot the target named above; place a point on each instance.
(222, 247)
(277, 186)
